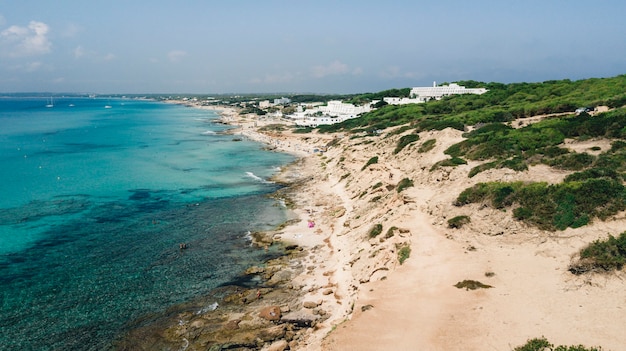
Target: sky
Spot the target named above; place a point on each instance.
(302, 46)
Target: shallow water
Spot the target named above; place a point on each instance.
(95, 203)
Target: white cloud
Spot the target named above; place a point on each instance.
(273, 79)
(79, 52)
(392, 72)
(32, 66)
(71, 30)
(176, 55)
(19, 41)
(334, 68)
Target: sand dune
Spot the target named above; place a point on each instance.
(375, 303)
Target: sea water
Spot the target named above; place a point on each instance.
(96, 196)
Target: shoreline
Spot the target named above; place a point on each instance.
(370, 301)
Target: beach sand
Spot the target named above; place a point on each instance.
(375, 303)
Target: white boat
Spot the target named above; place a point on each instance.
(50, 103)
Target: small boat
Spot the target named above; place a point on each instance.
(108, 106)
(50, 103)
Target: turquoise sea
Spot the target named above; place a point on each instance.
(95, 197)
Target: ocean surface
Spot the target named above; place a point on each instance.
(95, 197)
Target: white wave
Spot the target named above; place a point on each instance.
(209, 132)
(248, 236)
(256, 177)
(211, 307)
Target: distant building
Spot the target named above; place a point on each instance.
(333, 112)
(400, 100)
(438, 92)
(264, 104)
(282, 101)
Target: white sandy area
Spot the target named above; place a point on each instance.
(375, 303)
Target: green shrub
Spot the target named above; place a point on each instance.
(375, 230)
(404, 141)
(542, 344)
(404, 253)
(377, 185)
(458, 221)
(472, 285)
(390, 232)
(427, 145)
(403, 184)
(572, 161)
(536, 344)
(371, 161)
(552, 207)
(608, 254)
(450, 162)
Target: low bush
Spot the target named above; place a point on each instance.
(542, 344)
(552, 207)
(371, 161)
(403, 184)
(427, 145)
(472, 285)
(404, 253)
(375, 230)
(606, 255)
(458, 221)
(390, 232)
(404, 141)
(450, 162)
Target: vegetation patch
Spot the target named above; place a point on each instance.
(276, 127)
(602, 255)
(542, 344)
(427, 146)
(404, 141)
(371, 161)
(472, 285)
(403, 184)
(404, 253)
(552, 207)
(451, 162)
(458, 221)
(375, 230)
(390, 232)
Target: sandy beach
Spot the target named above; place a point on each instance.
(372, 302)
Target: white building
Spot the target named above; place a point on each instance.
(282, 101)
(436, 92)
(338, 108)
(400, 100)
(333, 112)
(264, 104)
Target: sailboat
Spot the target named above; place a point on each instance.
(50, 103)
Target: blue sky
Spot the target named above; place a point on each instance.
(320, 46)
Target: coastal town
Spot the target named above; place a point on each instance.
(314, 114)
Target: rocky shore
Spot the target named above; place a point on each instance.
(372, 263)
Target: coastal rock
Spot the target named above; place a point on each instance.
(271, 313)
(310, 304)
(300, 319)
(279, 345)
(281, 276)
(272, 333)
